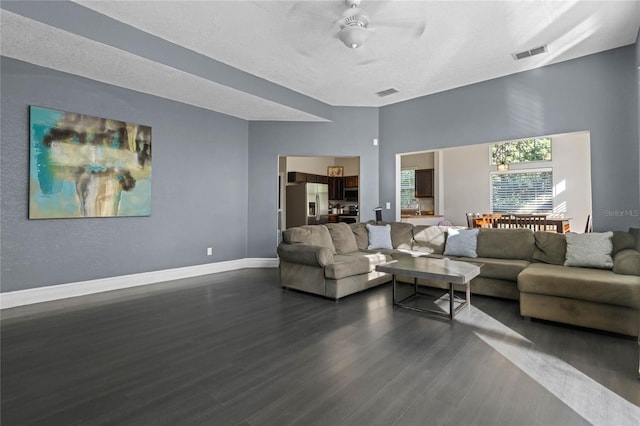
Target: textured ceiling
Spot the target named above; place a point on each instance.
(293, 45)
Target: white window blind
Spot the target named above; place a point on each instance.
(522, 192)
(407, 186)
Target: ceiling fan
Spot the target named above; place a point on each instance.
(354, 25)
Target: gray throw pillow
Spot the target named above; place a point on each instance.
(590, 250)
(379, 237)
(462, 242)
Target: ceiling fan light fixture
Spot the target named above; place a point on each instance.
(353, 36)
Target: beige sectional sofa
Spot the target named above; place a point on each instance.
(333, 261)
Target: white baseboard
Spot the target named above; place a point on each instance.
(62, 291)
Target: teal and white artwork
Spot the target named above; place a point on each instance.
(86, 166)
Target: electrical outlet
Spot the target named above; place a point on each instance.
(209, 251)
(388, 205)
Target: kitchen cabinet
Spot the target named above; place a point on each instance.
(336, 188)
(424, 183)
(296, 177)
(351, 181)
(300, 177)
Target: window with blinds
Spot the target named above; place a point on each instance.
(407, 186)
(522, 192)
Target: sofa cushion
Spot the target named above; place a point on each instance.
(379, 237)
(429, 239)
(362, 236)
(402, 235)
(342, 237)
(396, 253)
(462, 242)
(635, 233)
(501, 269)
(595, 285)
(591, 250)
(627, 262)
(346, 265)
(506, 243)
(315, 235)
(622, 240)
(305, 254)
(550, 248)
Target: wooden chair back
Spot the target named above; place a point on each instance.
(490, 220)
(535, 222)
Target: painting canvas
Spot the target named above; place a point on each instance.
(86, 166)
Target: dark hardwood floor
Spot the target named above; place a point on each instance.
(234, 349)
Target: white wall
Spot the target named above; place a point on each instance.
(351, 165)
(422, 160)
(313, 165)
(318, 165)
(466, 182)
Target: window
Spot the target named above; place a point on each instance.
(407, 187)
(538, 149)
(529, 191)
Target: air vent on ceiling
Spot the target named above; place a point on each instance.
(387, 92)
(531, 52)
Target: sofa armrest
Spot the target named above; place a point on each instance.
(627, 262)
(305, 254)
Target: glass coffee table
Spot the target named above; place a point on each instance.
(450, 271)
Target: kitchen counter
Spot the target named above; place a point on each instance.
(344, 217)
(423, 219)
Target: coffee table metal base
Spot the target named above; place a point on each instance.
(445, 270)
(453, 300)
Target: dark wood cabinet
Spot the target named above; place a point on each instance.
(351, 181)
(424, 183)
(296, 177)
(336, 188)
(300, 177)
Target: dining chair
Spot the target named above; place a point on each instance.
(471, 220)
(535, 222)
(490, 220)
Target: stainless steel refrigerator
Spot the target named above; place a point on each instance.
(307, 204)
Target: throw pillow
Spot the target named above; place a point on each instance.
(343, 238)
(462, 242)
(589, 250)
(635, 232)
(379, 237)
(550, 248)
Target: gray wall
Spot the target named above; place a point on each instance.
(591, 93)
(350, 134)
(199, 186)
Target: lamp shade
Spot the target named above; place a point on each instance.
(353, 36)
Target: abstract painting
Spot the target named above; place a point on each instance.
(86, 166)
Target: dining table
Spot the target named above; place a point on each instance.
(561, 225)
